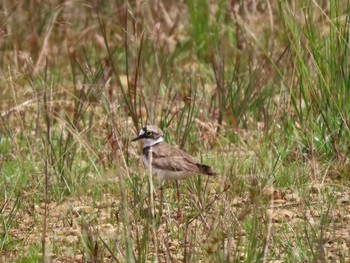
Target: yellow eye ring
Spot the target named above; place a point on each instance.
(149, 133)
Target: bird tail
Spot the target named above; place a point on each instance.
(205, 169)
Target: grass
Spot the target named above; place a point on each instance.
(258, 90)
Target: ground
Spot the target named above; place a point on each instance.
(258, 90)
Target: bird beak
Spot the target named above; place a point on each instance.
(140, 136)
(137, 138)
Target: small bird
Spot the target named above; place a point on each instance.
(165, 160)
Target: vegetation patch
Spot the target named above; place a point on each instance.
(258, 90)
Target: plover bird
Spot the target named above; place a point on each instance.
(165, 160)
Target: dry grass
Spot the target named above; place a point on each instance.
(256, 89)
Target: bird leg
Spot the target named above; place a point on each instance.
(161, 202)
(178, 199)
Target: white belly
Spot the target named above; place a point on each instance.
(166, 174)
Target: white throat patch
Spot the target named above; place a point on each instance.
(150, 142)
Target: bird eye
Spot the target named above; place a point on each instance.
(149, 133)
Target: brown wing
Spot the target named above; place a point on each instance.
(179, 161)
